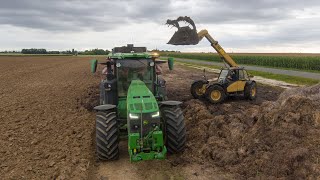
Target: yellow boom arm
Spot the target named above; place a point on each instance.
(224, 56)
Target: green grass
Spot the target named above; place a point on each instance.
(286, 78)
(279, 77)
(297, 62)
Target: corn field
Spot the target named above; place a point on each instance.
(301, 62)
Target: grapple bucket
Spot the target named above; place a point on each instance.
(185, 35)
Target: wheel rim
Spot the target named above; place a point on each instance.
(200, 90)
(253, 91)
(215, 95)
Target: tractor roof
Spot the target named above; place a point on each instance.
(130, 55)
(232, 68)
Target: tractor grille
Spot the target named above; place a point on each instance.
(138, 106)
(131, 107)
(148, 106)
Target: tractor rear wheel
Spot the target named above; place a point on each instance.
(107, 135)
(250, 91)
(198, 89)
(174, 128)
(215, 94)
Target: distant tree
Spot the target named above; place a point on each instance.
(94, 52)
(34, 51)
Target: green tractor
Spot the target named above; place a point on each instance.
(133, 103)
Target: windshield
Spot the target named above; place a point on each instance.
(223, 74)
(133, 69)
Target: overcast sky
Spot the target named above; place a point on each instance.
(239, 26)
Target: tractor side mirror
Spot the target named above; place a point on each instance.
(93, 65)
(170, 63)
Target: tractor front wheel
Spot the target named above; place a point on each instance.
(250, 91)
(174, 128)
(107, 135)
(215, 94)
(198, 89)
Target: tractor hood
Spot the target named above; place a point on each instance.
(140, 99)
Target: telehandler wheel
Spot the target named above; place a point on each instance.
(107, 135)
(215, 94)
(174, 128)
(250, 91)
(198, 89)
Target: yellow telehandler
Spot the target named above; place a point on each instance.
(232, 81)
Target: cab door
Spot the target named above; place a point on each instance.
(243, 77)
(234, 84)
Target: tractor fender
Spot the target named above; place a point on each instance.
(250, 82)
(104, 107)
(204, 81)
(218, 84)
(170, 103)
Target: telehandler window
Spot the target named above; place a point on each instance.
(241, 75)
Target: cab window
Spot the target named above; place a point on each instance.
(243, 75)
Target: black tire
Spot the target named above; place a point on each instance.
(195, 87)
(250, 91)
(107, 135)
(174, 128)
(215, 89)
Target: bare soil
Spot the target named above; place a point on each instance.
(45, 131)
(47, 128)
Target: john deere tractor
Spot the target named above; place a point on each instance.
(133, 103)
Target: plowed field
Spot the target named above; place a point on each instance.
(47, 128)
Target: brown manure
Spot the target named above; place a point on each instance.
(279, 139)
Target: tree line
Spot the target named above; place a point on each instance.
(68, 52)
(44, 51)
(94, 52)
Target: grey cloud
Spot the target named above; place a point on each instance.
(101, 15)
(250, 11)
(77, 15)
(68, 16)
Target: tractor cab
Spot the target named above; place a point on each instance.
(228, 75)
(134, 69)
(124, 69)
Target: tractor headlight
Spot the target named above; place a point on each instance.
(133, 116)
(156, 114)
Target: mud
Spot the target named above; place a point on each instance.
(47, 128)
(275, 139)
